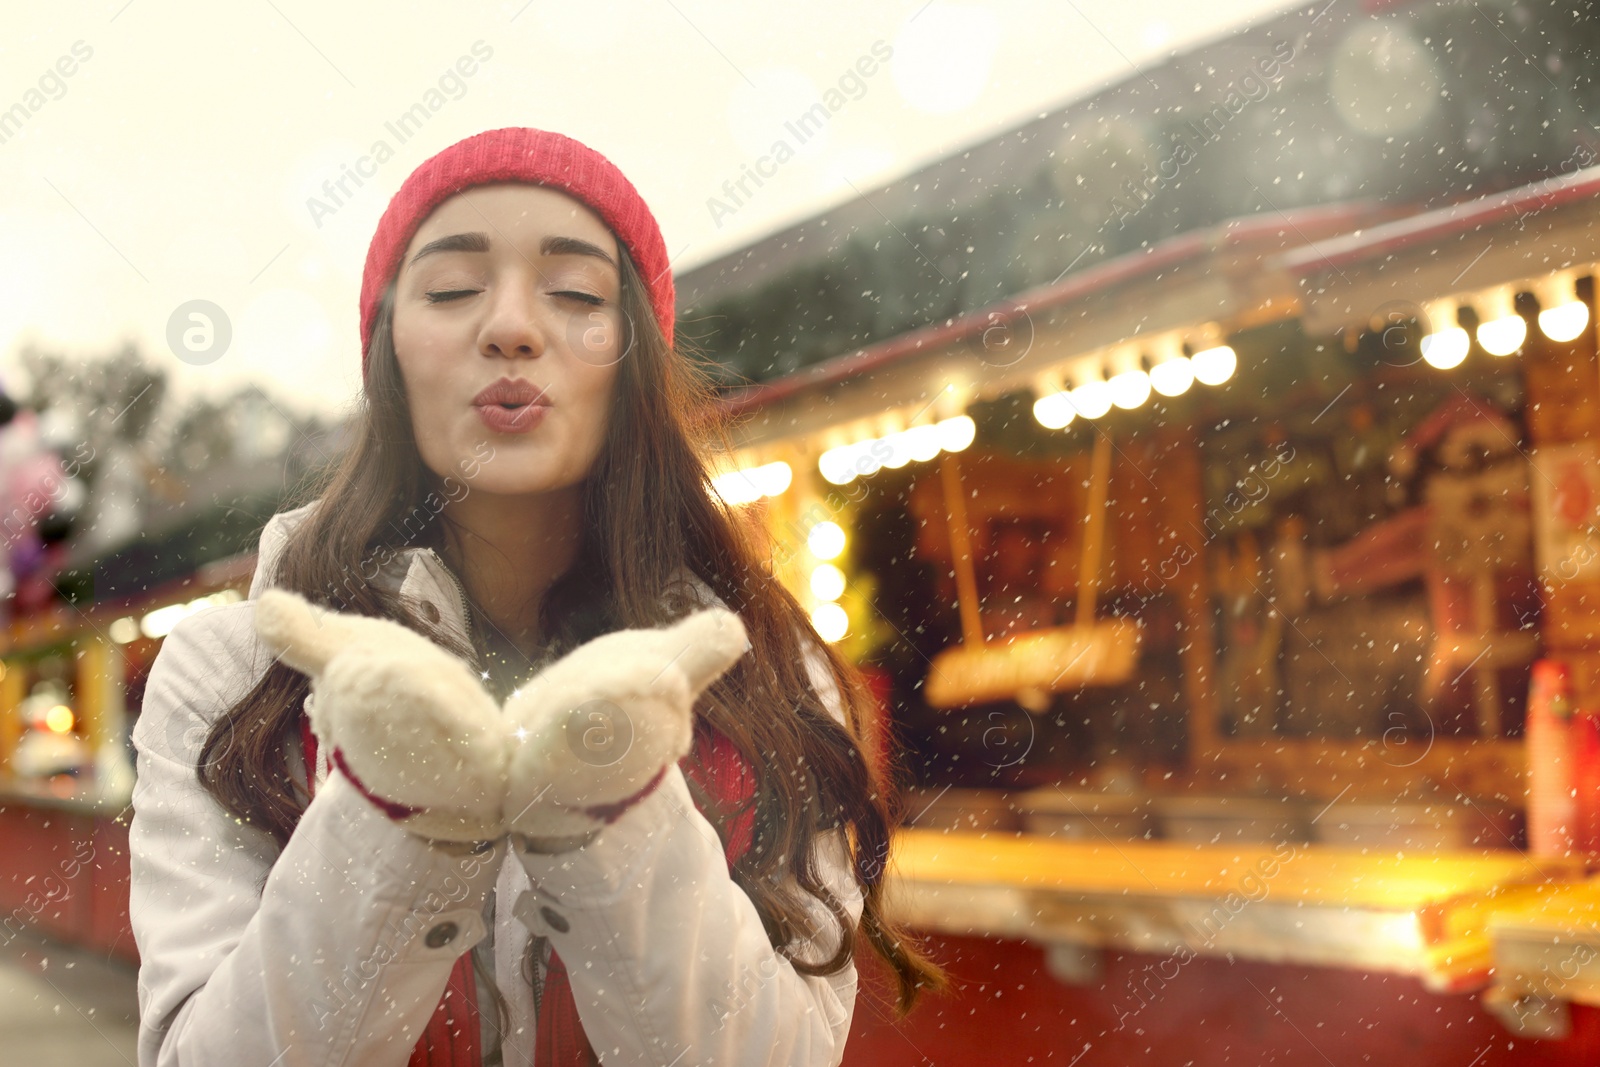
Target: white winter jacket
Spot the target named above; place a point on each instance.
(336, 948)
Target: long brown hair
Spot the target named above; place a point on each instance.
(649, 516)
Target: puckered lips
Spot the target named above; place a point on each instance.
(512, 405)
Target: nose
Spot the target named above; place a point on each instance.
(512, 328)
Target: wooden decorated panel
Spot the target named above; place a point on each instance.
(1572, 615)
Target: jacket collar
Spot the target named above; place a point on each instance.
(412, 572)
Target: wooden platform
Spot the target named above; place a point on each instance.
(1425, 915)
(1547, 952)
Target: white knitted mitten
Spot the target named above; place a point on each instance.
(595, 731)
(414, 729)
(409, 724)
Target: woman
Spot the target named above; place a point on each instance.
(283, 915)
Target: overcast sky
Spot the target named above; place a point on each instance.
(179, 158)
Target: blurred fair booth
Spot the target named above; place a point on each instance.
(1223, 552)
(67, 675)
(159, 538)
(1204, 475)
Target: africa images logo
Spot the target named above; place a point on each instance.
(851, 85)
(451, 85)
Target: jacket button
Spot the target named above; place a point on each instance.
(430, 611)
(441, 935)
(557, 921)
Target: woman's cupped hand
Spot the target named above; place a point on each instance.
(414, 729)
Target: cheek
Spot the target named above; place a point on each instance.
(415, 350)
(425, 374)
(596, 386)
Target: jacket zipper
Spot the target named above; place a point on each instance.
(541, 945)
(477, 662)
(461, 599)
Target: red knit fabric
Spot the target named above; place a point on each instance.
(518, 154)
(451, 1037)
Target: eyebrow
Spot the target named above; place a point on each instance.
(479, 242)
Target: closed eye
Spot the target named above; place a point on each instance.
(441, 296)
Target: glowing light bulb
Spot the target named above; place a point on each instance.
(1092, 399)
(735, 488)
(1564, 322)
(956, 432)
(1503, 336)
(826, 540)
(773, 478)
(868, 456)
(1172, 377)
(1213, 366)
(899, 450)
(827, 582)
(1446, 349)
(58, 719)
(922, 442)
(1129, 389)
(830, 621)
(159, 623)
(1054, 411)
(752, 483)
(838, 465)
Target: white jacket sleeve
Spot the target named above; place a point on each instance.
(667, 957)
(334, 951)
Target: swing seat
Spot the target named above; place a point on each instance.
(1102, 653)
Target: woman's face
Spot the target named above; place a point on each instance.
(509, 281)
